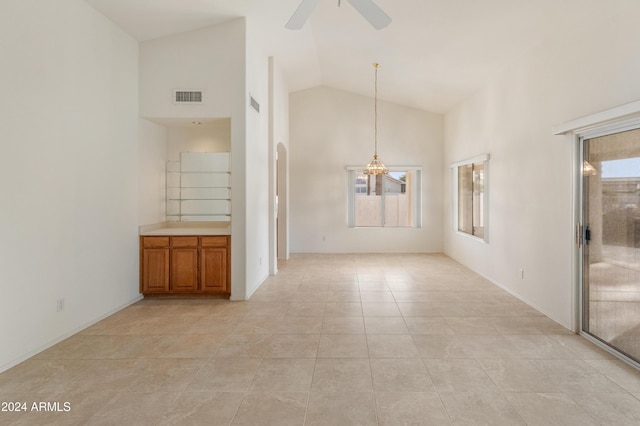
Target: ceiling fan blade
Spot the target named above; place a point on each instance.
(372, 13)
(301, 15)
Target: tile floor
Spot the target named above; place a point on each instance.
(331, 340)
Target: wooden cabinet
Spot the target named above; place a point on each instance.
(185, 265)
(214, 273)
(154, 265)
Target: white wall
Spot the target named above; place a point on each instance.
(212, 59)
(594, 68)
(257, 163)
(152, 157)
(68, 171)
(332, 129)
(198, 138)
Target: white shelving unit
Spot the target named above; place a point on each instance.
(199, 187)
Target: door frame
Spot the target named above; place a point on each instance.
(613, 120)
(579, 138)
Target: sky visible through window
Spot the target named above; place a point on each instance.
(624, 168)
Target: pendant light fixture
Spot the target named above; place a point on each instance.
(375, 167)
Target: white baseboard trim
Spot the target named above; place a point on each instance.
(39, 349)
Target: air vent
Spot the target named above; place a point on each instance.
(188, 96)
(254, 104)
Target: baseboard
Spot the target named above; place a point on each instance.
(36, 351)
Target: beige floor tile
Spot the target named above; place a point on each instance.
(520, 375)
(380, 309)
(539, 346)
(412, 296)
(427, 325)
(581, 347)
(373, 286)
(472, 325)
(300, 325)
(480, 408)
(576, 376)
(529, 325)
(300, 309)
(336, 295)
(258, 324)
(215, 324)
(292, 346)
(459, 375)
(377, 297)
(203, 408)
(85, 346)
(267, 309)
(620, 409)
(184, 346)
(400, 375)
(342, 375)
(436, 346)
(419, 309)
(422, 329)
(344, 409)
(489, 346)
(80, 407)
(343, 325)
(134, 408)
(391, 346)
(385, 325)
(343, 346)
(284, 375)
(108, 375)
(225, 375)
(410, 408)
(347, 309)
(243, 346)
(544, 409)
(272, 408)
(620, 372)
(166, 375)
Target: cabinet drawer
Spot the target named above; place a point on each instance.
(217, 241)
(190, 241)
(155, 242)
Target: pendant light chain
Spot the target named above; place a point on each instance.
(375, 112)
(375, 167)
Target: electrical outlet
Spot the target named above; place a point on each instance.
(521, 274)
(60, 305)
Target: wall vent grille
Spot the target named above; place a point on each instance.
(188, 96)
(254, 104)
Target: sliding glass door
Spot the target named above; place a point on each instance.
(610, 235)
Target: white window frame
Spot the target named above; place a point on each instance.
(454, 195)
(416, 195)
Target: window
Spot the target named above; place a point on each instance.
(470, 196)
(391, 200)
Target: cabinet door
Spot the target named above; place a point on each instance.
(155, 270)
(213, 269)
(184, 269)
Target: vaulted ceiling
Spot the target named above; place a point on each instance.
(434, 53)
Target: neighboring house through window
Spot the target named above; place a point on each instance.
(470, 196)
(391, 200)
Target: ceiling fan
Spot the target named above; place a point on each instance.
(367, 8)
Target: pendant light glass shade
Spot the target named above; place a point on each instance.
(375, 167)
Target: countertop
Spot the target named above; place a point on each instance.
(186, 228)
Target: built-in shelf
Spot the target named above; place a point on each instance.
(199, 187)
